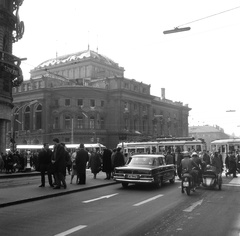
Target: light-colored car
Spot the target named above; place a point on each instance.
(145, 169)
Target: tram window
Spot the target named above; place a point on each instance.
(131, 150)
(148, 150)
(140, 150)
(198, 147)
(154, 149)
(223, 148)
(231, 148)
(160, 149)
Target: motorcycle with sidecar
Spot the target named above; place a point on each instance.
(211, 178)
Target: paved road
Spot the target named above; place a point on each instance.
(137, 210)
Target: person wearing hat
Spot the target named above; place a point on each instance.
(59, 162)
(82, 158)
(188, 165)
(118, 158)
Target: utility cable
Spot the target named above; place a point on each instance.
(209, 16)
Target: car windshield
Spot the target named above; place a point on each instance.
(142, 161)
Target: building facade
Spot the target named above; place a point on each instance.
(11, 30)
(84, 97)
(208, 133)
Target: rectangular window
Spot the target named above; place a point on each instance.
(67, 102)
(92, 123)
(135, 107)
(126, 85)
(80, 102)
(56, 123)
(92, 103)
(67, 140)
(56, 102)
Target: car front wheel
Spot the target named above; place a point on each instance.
(159, 183)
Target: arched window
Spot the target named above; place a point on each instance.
(38, 115)
(27, 118)
(56, 122)
(80, 122)
(144, 126)
(92, 122)
(67, 122)
(135, 124)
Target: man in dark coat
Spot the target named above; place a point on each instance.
(81, 161)
(44, 161)
(107, 162)
(59, 162)
(179, 159)
(118, 159)
(232, 165)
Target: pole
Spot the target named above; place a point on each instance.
(72, 141)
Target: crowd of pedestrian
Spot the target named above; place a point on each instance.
(13, 161)
(58, 162)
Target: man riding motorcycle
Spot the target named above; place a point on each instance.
(188, 165)
(198, 167)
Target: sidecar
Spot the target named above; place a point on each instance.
(211, 179)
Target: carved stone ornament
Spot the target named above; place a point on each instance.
(19, 25)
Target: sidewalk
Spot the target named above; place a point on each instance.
(25, 193)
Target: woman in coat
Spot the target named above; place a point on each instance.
(107, 163)
(94, 163)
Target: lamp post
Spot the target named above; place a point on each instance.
(12, 140)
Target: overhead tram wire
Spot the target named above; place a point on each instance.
(177, 29)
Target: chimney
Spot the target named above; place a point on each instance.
(163, 93)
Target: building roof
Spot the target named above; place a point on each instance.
(76, 57)
(203, 129)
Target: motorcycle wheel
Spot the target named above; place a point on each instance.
(188, 191)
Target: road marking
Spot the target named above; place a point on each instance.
(148, 200)
(193, 206)
(70, 231)
(96, 199)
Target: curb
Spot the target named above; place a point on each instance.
(19, 175)
(53, 195)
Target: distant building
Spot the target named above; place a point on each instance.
(208, 133)
(84, 97)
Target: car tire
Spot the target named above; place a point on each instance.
(125, 185)
(158, 183)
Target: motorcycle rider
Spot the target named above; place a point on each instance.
(198, 166)
(217, 162)
(187, 165)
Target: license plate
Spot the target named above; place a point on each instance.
(132, 176)
(185, 184)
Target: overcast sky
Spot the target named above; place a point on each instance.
(200, 67)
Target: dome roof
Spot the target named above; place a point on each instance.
(76, 57)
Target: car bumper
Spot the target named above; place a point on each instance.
(144, 181)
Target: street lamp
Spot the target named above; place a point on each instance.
(176, 30)
(12, 140)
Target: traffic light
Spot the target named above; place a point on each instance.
(176, 30)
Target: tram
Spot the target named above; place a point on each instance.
(224, 146)
(71, 147)
(164, 144)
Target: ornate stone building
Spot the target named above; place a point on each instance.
(84, 97)
(11, 30)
